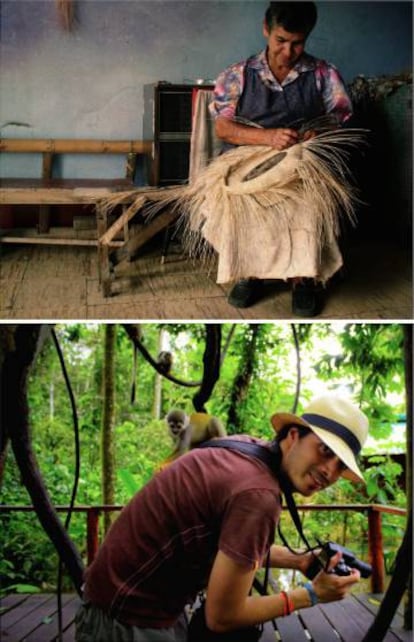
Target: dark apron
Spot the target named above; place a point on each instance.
(297, 102)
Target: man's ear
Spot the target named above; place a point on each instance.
(266, 31)
(293, 434)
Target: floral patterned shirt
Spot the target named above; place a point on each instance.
(229, 85)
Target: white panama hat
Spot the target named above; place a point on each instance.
(339, 423)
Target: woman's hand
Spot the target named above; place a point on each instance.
(281, 138)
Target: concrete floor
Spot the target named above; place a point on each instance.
(59, 282)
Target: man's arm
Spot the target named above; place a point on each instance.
(281, 557)
(229, 605)
(238, 134)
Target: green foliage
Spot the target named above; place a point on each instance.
(382, 481)
(363, 360)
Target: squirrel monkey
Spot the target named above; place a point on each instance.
(189, 430)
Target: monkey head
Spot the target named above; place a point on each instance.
(177, 422)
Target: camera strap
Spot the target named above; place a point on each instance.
(272, 458)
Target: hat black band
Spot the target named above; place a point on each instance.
(336, 429)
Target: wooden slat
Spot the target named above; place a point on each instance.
(145, 234)
(68, 634)
(372, 602)
(48, 630)
(290, 628)
(44, 240)
(363, 617)
(75, 146)
(119, 224)
(317, 624)
(57, 195)
(10, 620)
(336, 614)
(268, 634)
(11, 601)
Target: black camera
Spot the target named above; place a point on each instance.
(344, 566)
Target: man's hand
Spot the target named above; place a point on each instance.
(330, 587)
(306, 559)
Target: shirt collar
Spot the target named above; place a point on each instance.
(259, 62)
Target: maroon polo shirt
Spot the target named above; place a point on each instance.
(159, 552)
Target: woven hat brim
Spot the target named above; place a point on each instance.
(336, 444)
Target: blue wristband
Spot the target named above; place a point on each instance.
(313, 597)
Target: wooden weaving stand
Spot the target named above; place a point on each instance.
(47, 191)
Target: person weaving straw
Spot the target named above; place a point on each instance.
(285, 229)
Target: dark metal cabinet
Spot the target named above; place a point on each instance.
(172, 132)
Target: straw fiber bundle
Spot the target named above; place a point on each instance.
(267, 213)
(271, 214)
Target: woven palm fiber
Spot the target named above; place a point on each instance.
(269, 214)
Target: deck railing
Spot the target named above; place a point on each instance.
(373, 511)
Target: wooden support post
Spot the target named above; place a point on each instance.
(92, 533)
(131, 165)
(44, 210)
(375, 551)
(103, 252)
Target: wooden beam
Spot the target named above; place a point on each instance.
(49, 240)
(123, 220)
(75, 146)
(54, 195)
(149, 230)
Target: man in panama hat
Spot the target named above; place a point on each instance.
(340, 427)
(208, 521)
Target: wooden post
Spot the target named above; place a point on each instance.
(103, 252)
(92, 533)
(375, 551)
(131, 165)
(44, 210)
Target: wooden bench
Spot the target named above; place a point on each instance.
(48, 190)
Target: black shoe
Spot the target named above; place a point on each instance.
(244, 293)
(305, 300)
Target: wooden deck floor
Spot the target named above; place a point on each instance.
(60, 282)
(32, 618)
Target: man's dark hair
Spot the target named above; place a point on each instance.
(282, 434)
(295, 17)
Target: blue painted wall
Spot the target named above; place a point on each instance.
(96, 80)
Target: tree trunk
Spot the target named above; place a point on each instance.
(157, 403)
(108, 422)
(211, 363)
(408, 352)
(243, 378)
(7, 346)
(19, 351)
